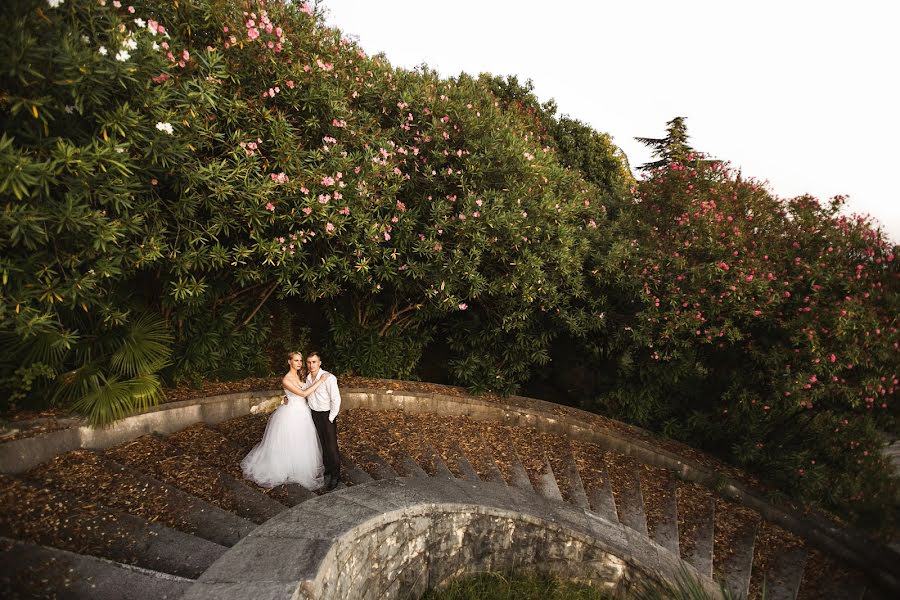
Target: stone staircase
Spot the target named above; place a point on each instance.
(149, 517)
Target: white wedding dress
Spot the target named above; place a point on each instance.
(290, 451)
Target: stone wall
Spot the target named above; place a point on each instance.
(397, 538)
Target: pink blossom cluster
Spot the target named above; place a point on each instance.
(251, 147)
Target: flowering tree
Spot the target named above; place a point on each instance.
(224, 160)
(763, 330)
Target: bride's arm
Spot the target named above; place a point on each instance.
(289, 386)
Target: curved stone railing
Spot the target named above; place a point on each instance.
(397, 538)
(876, 560)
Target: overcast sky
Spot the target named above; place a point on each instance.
(798, 93)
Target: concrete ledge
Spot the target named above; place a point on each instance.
(396, 538)
(20, 455)
(880, 562)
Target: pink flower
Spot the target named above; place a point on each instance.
(306, 8)
(307, 211)
(289, 83)
(253, 33)
(153, 182)
(185, 55)
(131, 9)
(328, 180)
(329, 227)
(387, 236)
(270, 206)
(463, 306)
(345, 211)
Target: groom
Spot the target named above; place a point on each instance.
(325, 403)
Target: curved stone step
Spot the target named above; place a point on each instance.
(158, 458)
(252, 505)
(737, 563)
(547, 486)
(31, 570)
(395, 538)
(665, 526)
(603, 502)
(379, 468)
(784, 577)
(700, 554)
(465, 467)
(494, 473)
(131, 491)
(440, 467)
(630, 503)
(519, 478)
(293, 494)
(577, 495)
(411, 468)
(41, 516)
(850, 588)
(354, 474)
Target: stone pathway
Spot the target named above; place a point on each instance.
(159, 513)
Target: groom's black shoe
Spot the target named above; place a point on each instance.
(331, 482)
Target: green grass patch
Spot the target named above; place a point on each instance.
(516, 586)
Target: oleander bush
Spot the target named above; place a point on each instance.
(765, 331)
(211, 161)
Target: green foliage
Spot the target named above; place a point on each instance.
(386, 350)
(528, 586)
(673, 148)
(515, 586)
(202, 173)
(194, 170)
(760, 330)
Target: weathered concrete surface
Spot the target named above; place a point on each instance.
(395, 538)
(17, 456)
(856, 550)
(49, 573)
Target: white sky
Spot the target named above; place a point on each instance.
(802, 94)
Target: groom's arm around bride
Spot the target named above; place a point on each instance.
(325, 404)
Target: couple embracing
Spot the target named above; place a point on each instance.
(300, 442)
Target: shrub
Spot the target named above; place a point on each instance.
(762, 330)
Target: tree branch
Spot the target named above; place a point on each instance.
(240, 292)
(394, 319)
(262, 301)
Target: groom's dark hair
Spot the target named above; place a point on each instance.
(315, 353)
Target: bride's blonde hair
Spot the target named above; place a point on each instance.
(302, 372)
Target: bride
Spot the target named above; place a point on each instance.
(290, 451)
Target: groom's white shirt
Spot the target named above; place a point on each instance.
(326, 397)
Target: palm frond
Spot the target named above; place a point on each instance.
(111, 399)
(145, 347)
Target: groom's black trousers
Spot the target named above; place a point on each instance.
(328, 437)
